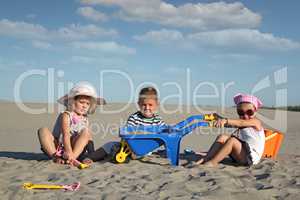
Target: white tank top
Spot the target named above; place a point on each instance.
(256, 141)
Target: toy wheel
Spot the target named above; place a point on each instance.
(122, 158)
(117, 155)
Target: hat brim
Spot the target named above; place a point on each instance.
(64, 100)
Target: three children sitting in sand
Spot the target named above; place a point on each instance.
(71, 132)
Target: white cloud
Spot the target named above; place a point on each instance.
(201, 16)
(230, 38)
(79, 32)
(160, 36)
(41, 45)
(94, 61)
(244, 38)
(23, 30)
(92, 14)
(79, 36)
(105, 47)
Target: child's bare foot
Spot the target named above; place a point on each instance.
(183, 163)
(210, 164)
(87, 161)
(200, 162)
(58, 160)
(133, 156)
(201, 153)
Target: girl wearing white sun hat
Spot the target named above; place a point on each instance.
(71, 132)
(82, 89)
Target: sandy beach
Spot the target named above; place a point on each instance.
(151, 178)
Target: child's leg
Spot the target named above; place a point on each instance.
(89, 148)
(232, 147)
(47, 141)
(80, 142)
(49, 144)
(215, 147)
(101, 152)
(97, 155)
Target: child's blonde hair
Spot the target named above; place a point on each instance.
(148, 93)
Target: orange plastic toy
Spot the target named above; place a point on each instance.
(272, 143)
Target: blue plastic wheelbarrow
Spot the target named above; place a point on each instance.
(153, 137)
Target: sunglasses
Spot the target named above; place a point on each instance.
(247, 112)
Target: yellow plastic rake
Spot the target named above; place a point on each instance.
(72, 187)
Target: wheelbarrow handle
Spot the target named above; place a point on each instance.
(150, 129)
(190, 128)
(205, 118)
(187, 121)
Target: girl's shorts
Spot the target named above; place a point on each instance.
(245, 145)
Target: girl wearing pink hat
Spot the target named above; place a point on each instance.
(71, 133)
(246, 144)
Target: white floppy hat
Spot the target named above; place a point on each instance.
(84, 89)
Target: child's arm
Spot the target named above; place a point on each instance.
(130, 121)
(67, 136)
(240, 123)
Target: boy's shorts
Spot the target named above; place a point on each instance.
(107, 146)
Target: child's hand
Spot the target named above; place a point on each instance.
(220, 123)
(217, 116)
(69, 156)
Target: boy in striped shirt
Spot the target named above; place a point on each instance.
(146, 116)
(148, 104)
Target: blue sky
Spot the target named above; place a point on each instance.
(191, 47)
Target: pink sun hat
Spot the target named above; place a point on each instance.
(247, 98)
